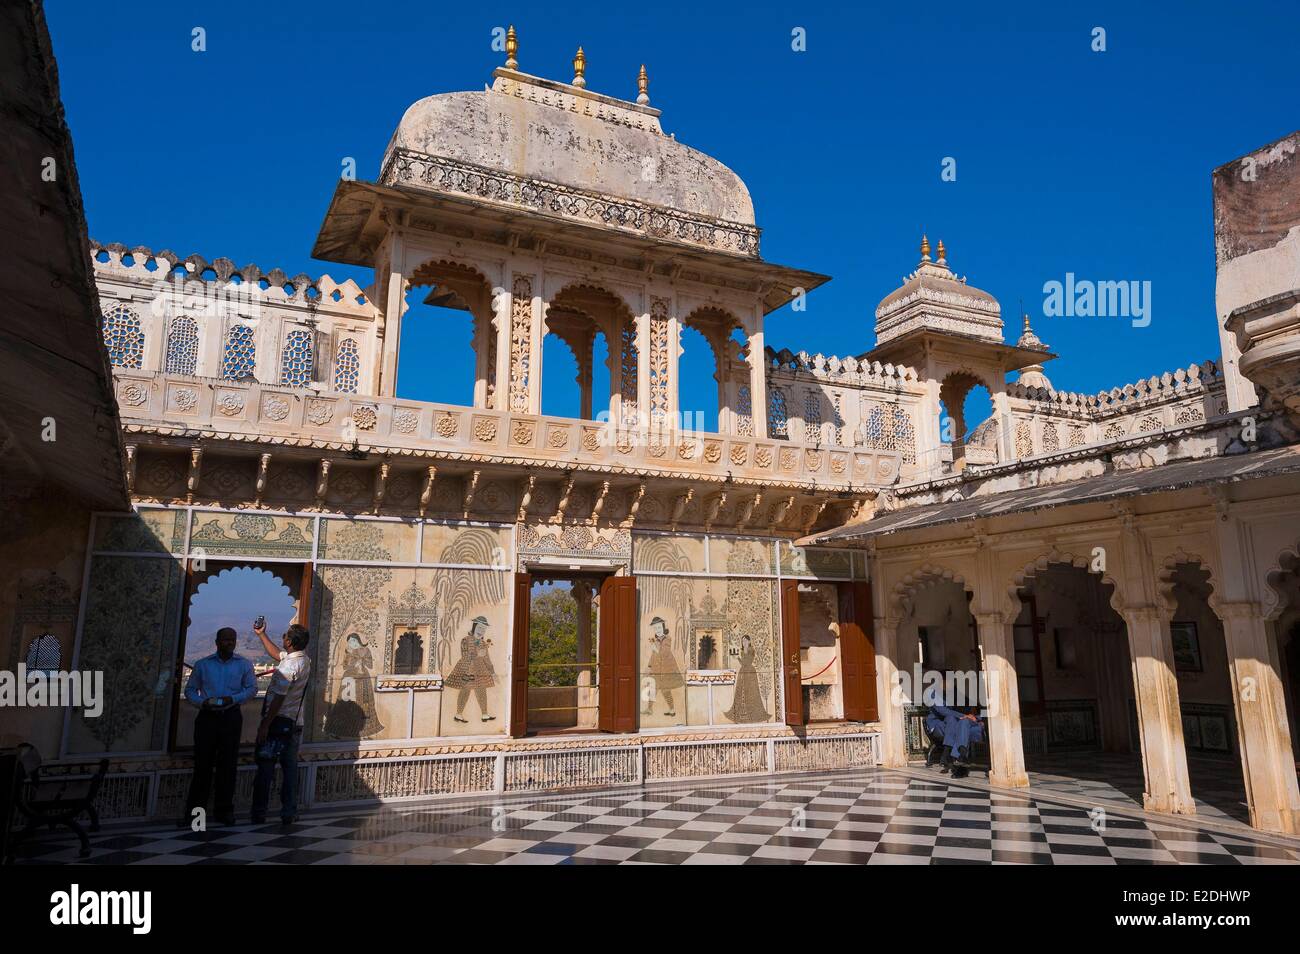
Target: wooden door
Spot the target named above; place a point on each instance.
(794, 714)
(304, 596)
(618, 697)
(519, 656)
(858, 653)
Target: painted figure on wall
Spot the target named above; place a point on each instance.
(663, 668)
(747, 704)
(473, 671)
(353, 715)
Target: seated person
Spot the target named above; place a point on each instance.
(951, 733)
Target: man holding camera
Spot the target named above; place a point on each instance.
(280, 731)
(218, 685)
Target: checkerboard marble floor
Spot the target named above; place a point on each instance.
(872, 816)
(1217, 785)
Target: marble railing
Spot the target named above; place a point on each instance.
(182, 405)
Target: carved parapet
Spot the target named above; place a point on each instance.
(233, 411)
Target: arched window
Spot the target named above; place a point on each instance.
(43, 653)
(297, 359)
(182, 346)
(240, 357)
(347, 367)
(778, 418)
(409, 653)
(123, 337)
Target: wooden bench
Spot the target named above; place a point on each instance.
(69, 800)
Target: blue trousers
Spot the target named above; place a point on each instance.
(288, 784)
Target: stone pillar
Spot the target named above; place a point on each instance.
(1160, 723)
(1265, 738)
(891, 705)
(483, 333)
(758, 378)
(643, 370)
(1006, 747)
(503, 307)
(586, 681)
(394, 306)
(584, 378)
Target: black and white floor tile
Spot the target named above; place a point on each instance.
(873, 816)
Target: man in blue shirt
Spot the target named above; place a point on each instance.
(218, 685)
(951, 733)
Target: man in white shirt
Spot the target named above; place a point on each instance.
(282, 722)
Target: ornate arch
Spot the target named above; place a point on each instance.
(1166, 578)
(903, 596)
(1286, 565)
(1025, 577)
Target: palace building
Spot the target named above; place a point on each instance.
(755, 594)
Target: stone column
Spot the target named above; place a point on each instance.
(1265, 738)
(643, 370)
(586, 681)
(1160, 723)
(483, 371)
(758, 378)
(892, 707)
(394, 305)
(503, 307)
(584, 378)
(1006, 746)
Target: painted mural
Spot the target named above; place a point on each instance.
(410, 652)
(708, 644)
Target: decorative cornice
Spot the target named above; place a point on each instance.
(409, 169)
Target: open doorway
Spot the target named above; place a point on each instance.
(576, 670)
(233, 594)
(563, 678)
(830, 671)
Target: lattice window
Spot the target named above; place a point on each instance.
(1077, 437)
(905, 435)
(744, 412)
(182, 346)
(123, 337)
(1114, 431)
(1024, 440)
(837, 417)
(347, 366)
(658, 366)
(778, 414)
(888, 427)
(628, 371)
(812, 416)
(239, 360)
(43, 653)
(521, 342)
(1150, 423)
(1051, 439)
(297, 359)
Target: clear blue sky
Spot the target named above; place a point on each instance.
(1067, 160)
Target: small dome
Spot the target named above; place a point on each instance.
(935, 298)
(1032, 377)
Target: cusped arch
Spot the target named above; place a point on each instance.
(1025, 576)
(1276, 593)
(903, 595)
(1167, 581)
(590, 298)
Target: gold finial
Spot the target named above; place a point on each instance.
(579, 68)
(925, 249)
(943, 255)
(642, 87)
(512, 47)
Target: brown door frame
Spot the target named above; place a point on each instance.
(793, 674)
(520, 627)
(618, 698)
(858, 652)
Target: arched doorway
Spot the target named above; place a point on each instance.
(232, 594)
